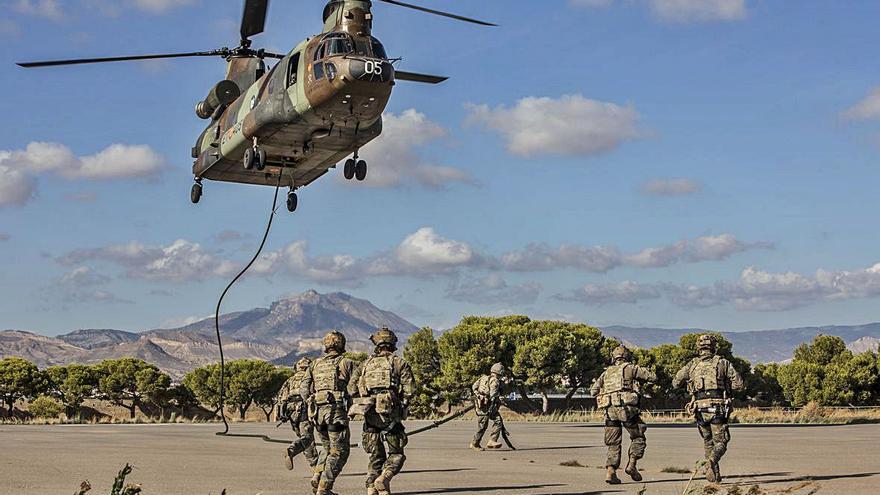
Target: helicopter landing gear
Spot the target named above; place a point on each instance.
(355, 168)
(254, 157)
(196, 193)
(292, 201)
(349, 169)
(360, 170)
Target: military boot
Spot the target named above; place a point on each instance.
(371, 490)
(712, 472)
(716, 468)
(315, 481)
(611, 476)
(324, 488)
(476, 446)
(288, 460)
(493, 445)
(382, 483)
(633, 470)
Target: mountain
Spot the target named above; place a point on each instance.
(281, 333)
(864, 344)
(763, 346)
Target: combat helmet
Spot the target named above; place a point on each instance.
(707, 342)
(620, 353)
(497, 369)
(303, 364)
(384, 337)
(334, 341)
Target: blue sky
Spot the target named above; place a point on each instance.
(706, 163)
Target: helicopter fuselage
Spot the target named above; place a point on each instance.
(320, 103)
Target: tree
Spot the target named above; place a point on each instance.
(19, 379)
(266, 397)
(469, 350)
(801, 382)
(72, 385)
(423, 355)
(250, 382)
(204, 382)
(44, 407)
(130, 382)
(764, 385)
(824, 350)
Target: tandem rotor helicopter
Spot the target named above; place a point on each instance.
(290, 124)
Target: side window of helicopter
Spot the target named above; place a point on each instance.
(378, 49)
(318, 69)
(293, 67)
(330, 69)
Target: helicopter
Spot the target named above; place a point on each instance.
(289, 125)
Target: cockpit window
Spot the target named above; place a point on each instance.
(378, 49)
(337, 44)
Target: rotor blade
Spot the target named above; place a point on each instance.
(440, 13)
(253, 20)
(415, 77)
(52, 63)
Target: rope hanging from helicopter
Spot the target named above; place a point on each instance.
(222, 395)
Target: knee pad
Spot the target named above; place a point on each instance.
(613, 423)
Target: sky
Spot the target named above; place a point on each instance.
(674, 163)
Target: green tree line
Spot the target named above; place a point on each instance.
(544, 358)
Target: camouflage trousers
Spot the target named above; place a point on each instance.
(618, 418)
(385, 451)
(305, 442)
(336, 440)
(715, 433)
(483, 425)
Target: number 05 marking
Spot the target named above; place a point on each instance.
(373, 67)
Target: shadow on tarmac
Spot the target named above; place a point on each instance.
(474, 489)
(418, 471)
(828, 477)
(730, 477)
(570, 447)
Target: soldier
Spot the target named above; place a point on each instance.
(386, 385)
(710, 379)
(292, 408)
(618, 391)
(487, 401)
(329, 385)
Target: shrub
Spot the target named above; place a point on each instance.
(45, 407)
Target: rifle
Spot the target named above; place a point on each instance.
(504, 434)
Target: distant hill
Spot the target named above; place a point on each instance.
(282, 333)
(864, 344)
(762, 346)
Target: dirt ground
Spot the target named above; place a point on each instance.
(190, 459)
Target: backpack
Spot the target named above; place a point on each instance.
(705, 375)
(378, 373)
(617, 379)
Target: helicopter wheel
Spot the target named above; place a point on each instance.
(249, 158)
(260, 158)
(349, 169)
(196, 193)
(292, 201)
(360, 170)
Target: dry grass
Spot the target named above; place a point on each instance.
(804, 488)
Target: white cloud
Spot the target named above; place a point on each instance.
(671, 187)
(83, 276)
(684, 10)
(627, 292)
(393, 157)
(570, 125)
(16, 188)
(49, 9)
(493, 289)
(295, 260)
(699, 10)
(180, 261)
(754, 290)
(18, 168)
(184, 321)
(426, 251)
(601, 259)
(867, 109)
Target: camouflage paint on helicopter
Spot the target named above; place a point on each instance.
(320, 103)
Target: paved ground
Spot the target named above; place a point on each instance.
(190, 459)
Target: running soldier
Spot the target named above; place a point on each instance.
(619, 391)
(710, 379)
(487, 402)
(386, 385)
(292, 408)
(329, 385)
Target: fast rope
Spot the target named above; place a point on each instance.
(225, 431)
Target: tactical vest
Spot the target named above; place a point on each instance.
(481, 386)
(293, 385)
(618, 378)
(325, 375)
(378, 374)
(706, 376)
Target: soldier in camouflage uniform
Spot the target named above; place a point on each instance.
(292, 407)
(618, 391)
(710, 379)
(329, 385)
(386, 385)
(487, 402)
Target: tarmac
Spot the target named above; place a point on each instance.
(190, 459)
